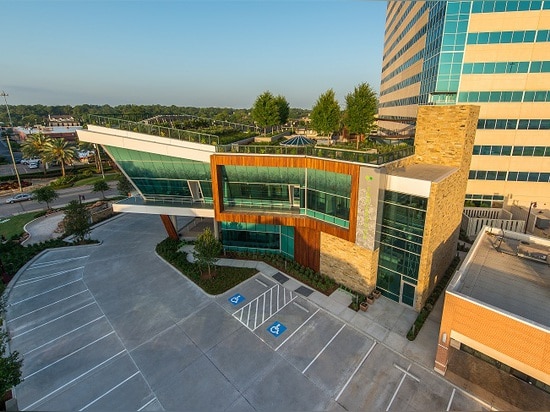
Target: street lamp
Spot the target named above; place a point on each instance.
(532, 205)
(5, 95)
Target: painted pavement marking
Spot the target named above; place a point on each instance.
(355, 371)
(297, 329)
(110, 390)
(40, 278)
(324, 347)
(268, 304)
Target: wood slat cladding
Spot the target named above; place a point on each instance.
(219, 160)
(307, 246)
(169, 226)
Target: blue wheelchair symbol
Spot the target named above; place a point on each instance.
(276, 329)
(236, 299)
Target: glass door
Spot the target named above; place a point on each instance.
(294, 192)
(407, 293)
(195, 189)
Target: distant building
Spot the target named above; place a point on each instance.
(62, 120)
(495, 54)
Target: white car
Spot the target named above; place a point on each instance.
(21, 197)
(33, 165)
(28, 161)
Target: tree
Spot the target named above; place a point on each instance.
(36, 145)
(124, 186)
(10, 365)
(361, 107)
(61, 151)
(265, 111)
(283, 109)
(45, 194)
(77, 220)
(101, 186)
(326, 115)
(207, 249)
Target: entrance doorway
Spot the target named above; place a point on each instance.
(407, 293)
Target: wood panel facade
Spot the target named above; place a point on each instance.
(307, 232)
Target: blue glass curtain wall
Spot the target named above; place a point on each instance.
(252, 237)
(320, 194)
(159, 176)
(402, 231)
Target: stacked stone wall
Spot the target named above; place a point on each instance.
(349, 264)
(445, 136)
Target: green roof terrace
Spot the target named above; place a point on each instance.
(325, 152)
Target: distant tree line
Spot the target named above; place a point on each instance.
(30, 115)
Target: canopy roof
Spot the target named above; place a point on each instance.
(298, 140)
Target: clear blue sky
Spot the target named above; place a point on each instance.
(186, 52)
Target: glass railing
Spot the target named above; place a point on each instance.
(167, 201)
(154, 130)
(204, 138)
(323, 152)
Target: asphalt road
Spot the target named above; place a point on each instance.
(65, 196)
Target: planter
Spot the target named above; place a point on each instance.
(376, 293)
(370, 299)
(363, 306)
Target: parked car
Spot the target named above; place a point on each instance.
(21, 197)
(33, 165)
(27, 161)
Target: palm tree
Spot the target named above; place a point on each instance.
(37, 146)
(61, 151)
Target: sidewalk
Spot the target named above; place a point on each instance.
(43, 228)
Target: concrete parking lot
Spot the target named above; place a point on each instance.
(113, 326)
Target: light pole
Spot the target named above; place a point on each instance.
(532, 205)
(5, 95)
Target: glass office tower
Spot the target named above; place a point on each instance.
(495, 54)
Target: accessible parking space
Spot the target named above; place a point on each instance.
(243, 294)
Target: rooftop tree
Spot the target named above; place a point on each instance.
(326, 114)
(265, 111)
(361, 107)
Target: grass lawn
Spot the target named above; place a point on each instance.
(91, 180)
(13, 225)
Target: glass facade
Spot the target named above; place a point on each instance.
(510, 176)
(157, 176)
(485, 150)
(401, 235)
(316, 193)
(513, 124)
(258, 237)
(504, 96)
(503, 37)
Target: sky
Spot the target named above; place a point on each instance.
(201, 53)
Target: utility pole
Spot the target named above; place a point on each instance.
(5, 96)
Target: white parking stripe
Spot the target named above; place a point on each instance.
(39, 278)
(65, 334)
(43, 293)
(355, 371)
(324, 347)
(53, 320)
(48, 305)
(147, 404)
(451, 400)
(297, 329)
(398, 387)
(55, 262)
(406, 372)
(109, 391)
(69, 354)
(32, 405)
